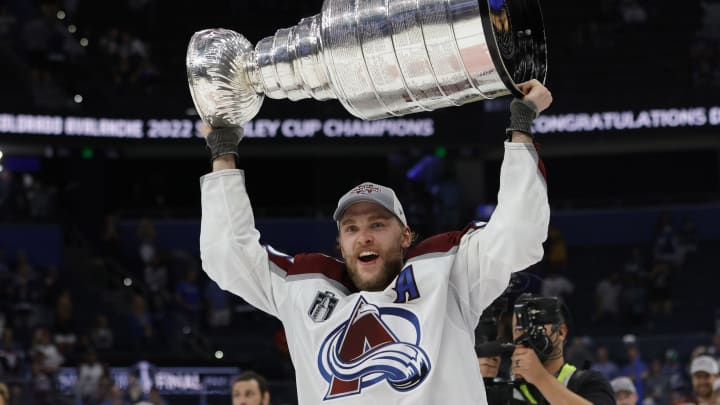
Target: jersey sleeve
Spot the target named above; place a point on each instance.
(512, 238)
(230, 248)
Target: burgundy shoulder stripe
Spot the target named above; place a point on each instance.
(279, 259)
(312, 263)
(317, 263)
(442, 242)
(438, 243)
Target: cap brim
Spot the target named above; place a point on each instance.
(339, 211)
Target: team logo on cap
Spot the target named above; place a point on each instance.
(366, 188)
(375, 345)
(323, 306)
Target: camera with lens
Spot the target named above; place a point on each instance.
(494, 337)
(532, 314)
(494, 324)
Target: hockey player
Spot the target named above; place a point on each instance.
(386, 323)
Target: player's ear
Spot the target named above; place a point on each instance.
(406, 238)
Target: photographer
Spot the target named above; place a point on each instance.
(493, 337)
(541, 375)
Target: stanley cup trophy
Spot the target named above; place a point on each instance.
(379, 58)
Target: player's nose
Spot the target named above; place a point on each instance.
(366, 237)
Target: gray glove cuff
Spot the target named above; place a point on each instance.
(522, 114)
(223, 141)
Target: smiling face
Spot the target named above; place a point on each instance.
(372, 241)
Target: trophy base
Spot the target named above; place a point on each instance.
(516, 34)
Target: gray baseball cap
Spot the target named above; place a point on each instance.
(704, 363)
(620, 384)
(371, 192)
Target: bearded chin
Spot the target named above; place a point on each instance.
(389, 271)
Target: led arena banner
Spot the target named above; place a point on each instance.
(627, 120)
(445, 126)
(22, 124)
(168, 380)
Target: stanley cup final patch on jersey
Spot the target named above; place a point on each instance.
(323, 306)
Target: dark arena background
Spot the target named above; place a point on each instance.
(100, 201)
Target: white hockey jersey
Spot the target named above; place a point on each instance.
(412, 343)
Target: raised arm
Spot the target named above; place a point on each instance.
(512, 239)
(230, 246)
(519, 225)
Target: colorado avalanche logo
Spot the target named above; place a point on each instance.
(364, 351)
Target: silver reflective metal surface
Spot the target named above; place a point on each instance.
(217, 68)
(379, 58)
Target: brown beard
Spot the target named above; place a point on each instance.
(389, 271)
(704, 390)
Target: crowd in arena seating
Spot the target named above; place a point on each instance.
(142, 300)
